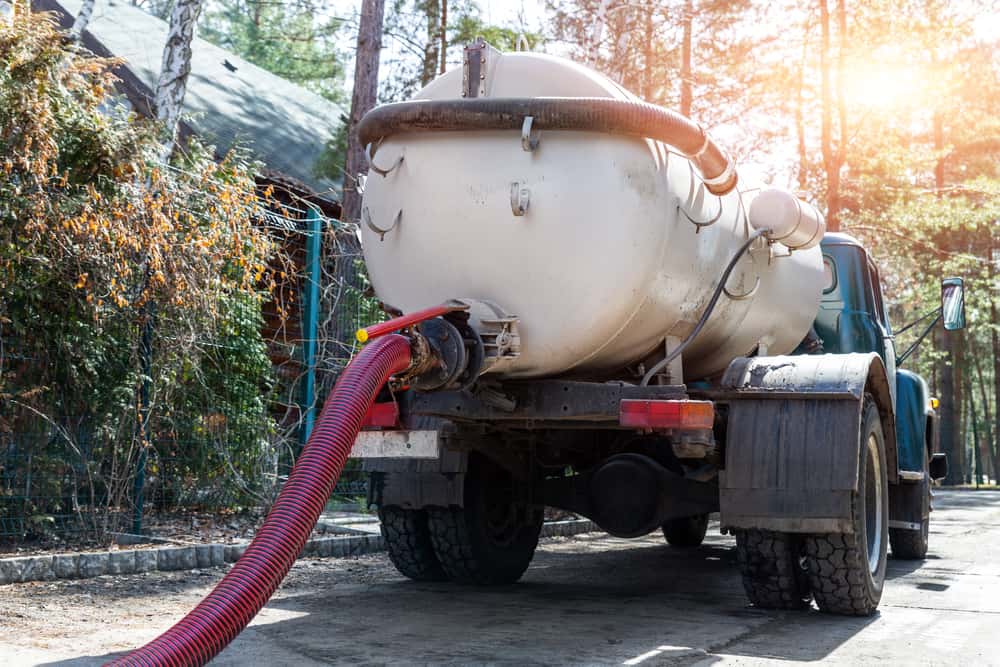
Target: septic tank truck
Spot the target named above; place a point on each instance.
(606, 319)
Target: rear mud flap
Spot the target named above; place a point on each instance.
(791, 465)
(791, 459)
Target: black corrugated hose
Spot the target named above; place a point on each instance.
(587, 114)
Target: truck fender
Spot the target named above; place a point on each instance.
(791, 450)
(912, 417)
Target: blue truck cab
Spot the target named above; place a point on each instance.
(853, 318)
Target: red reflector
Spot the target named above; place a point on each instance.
(383, 415)
(684, 415)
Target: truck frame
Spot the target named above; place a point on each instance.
(817, 461)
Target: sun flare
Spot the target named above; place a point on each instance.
(882, 86)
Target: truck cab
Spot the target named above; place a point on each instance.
(852, 318)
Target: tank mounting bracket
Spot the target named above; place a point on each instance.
(478, 63)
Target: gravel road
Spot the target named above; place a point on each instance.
(590, 599)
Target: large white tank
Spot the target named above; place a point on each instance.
(607, 260)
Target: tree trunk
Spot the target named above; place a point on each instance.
(431, 56)
(938, 121)
(174, 70)
(995, 344)
(984, 397)
(686, 74)
(444, 36)
(342, 254)
(830, 154)
(362, 100)
(597, 32)
(800, 123)
(841, 102)
(949, 412)
(82, 19)
(646, 82)
(977, 459)
(957, 346)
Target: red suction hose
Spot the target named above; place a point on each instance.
(209, 627)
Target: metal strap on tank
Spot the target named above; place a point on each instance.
(725, 177)
(746, 295)
(366, 216)
(749, 293)
(707, 223)
(374, 167)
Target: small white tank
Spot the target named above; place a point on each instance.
(620, 245)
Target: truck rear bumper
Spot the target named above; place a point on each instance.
(424, 444)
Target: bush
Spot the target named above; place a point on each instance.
(102, 246)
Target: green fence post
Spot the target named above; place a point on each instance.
(310, 317)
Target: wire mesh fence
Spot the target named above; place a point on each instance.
(211, 415)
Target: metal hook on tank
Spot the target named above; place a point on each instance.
(374, 167)
(745, 295)
(749, 293)
(366, 216)
(529, 139)
(706, 223)
(520, 198)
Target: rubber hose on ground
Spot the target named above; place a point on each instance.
(590, 114)
(223, 614)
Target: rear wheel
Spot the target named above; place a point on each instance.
(408, 542)
(686, 532)
(847, 570)
(771, 565)
(492, 539)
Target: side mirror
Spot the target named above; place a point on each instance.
(953, 303)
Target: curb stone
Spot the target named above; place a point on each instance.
(188, 557)
(92, 565)
(121, 562)
(66, 566)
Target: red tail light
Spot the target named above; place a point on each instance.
(682, 414)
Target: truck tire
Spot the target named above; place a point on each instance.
(686, 532)
(490, 540)
(847, 570)
(910, 544)
(408, 542)
(772, 570)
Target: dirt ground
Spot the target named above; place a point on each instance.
(591, 599)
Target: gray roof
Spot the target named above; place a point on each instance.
(285, 125)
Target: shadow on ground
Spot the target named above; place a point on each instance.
(593, 599)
